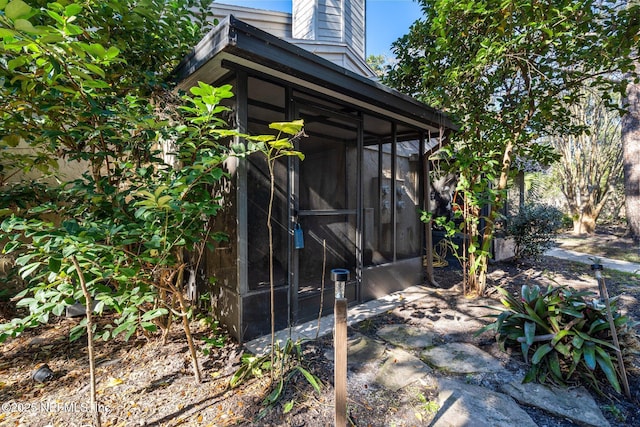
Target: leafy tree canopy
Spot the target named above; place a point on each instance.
(86, 81)
(378, 63)
(509, 69)
(81, 79)
(507, 72)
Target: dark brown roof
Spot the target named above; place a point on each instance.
(236, 42)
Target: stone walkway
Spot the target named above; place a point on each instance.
(411, 359)
(607, 263)
(403, 355)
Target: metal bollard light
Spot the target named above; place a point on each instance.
(340, 276)
(597, 270)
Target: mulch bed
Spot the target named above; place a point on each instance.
(142, 382)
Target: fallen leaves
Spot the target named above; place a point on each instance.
(113, 382)
(148, 383)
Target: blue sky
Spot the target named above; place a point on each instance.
(386, 20)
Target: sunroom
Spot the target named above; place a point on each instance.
(356, 197)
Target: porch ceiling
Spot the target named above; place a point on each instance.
(234, 43)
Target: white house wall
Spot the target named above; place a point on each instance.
(304, 26)
(332, 21)
(66, 170)
(277, 23)
(331, 29)
(339, 54)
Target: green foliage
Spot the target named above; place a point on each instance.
(616, 412)
(476, 192)
(131, 239)
(45, 261)
(426, 406)
(507, 72)
(287, 363)
(379, 64)
(128, 240)
(215, 339)
(86, 80)
(567, 221)
(534, 229)
(562, 333)
(273, 148)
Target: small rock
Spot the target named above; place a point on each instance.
(575, 404)
(37, 341)
(42, 374)
(401, 369)
(461, 358)
(406, 336)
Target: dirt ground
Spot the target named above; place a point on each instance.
(142, 382)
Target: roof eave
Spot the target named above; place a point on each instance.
(250, 43)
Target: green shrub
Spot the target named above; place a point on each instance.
(287, 363)
(567, 221)
(534, 229)
(130, 240)
(562, 333)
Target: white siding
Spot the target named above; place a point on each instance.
(304, 22)
(331, 21)
(354, 20)
(339, 54)
(332, 29)
(276, 23)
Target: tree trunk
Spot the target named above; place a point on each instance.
(187, 334)
(90, 349)
(482, 263)
(631, 159)
(585, 223)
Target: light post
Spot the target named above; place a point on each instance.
(604, 297)
(340, 276)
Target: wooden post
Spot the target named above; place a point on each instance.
(604, 295)
(340, 277)
(340, 361)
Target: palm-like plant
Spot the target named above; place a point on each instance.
(566, 332)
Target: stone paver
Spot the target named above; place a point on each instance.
(401, 369)
(461, 404)
(466, 405)
(575, 404)
(311, 330)
(361, 350)
(461, 358)
(406, 336)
